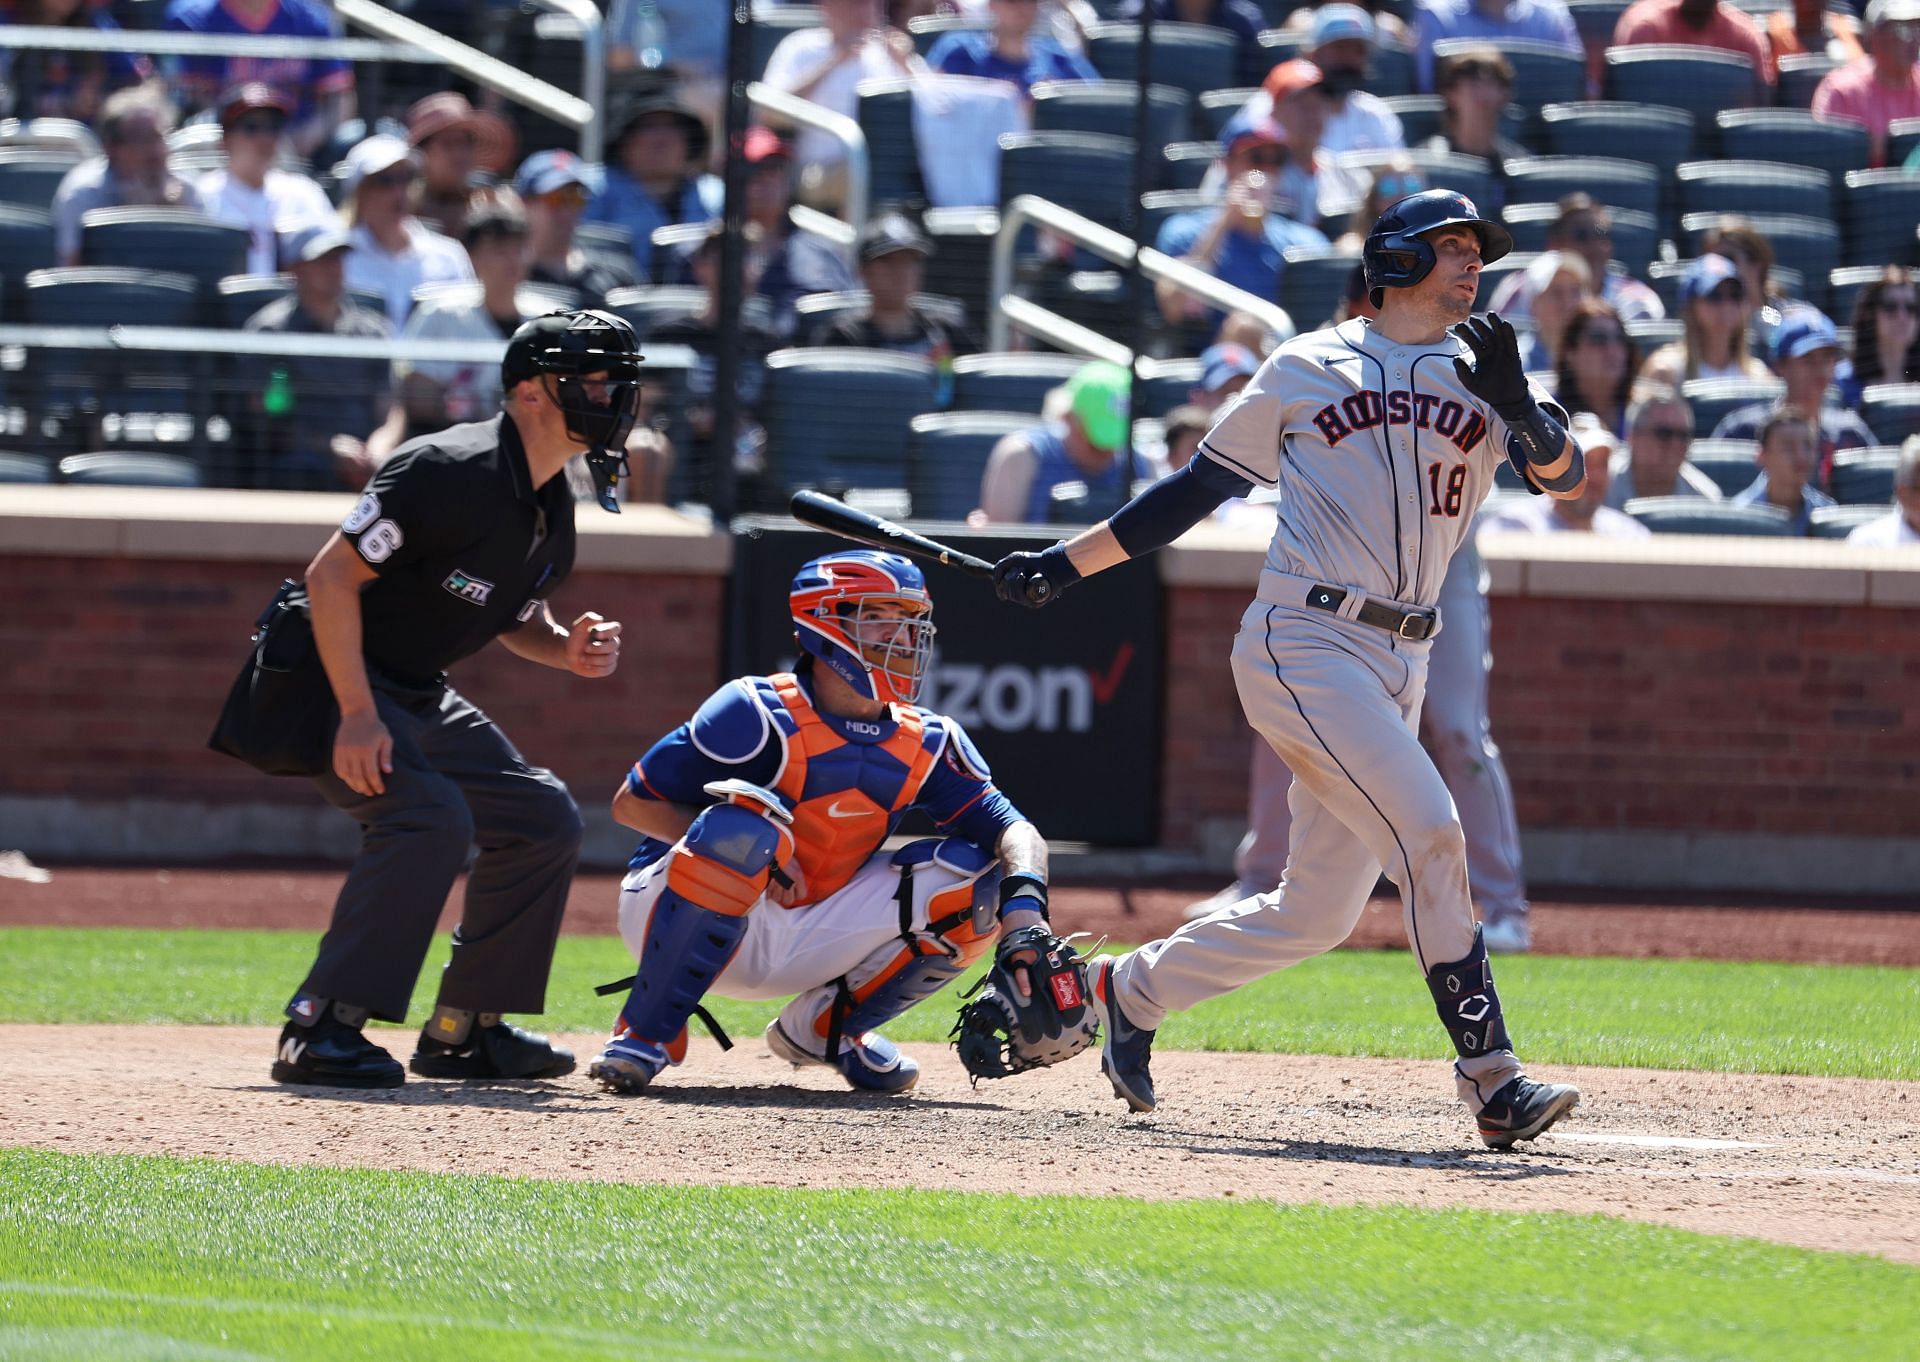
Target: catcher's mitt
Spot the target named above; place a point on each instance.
(1001, 1033)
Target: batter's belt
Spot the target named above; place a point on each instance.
(1416, 622)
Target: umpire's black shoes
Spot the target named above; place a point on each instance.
(1523, 1109)
(332, 1054)
(499, 1051)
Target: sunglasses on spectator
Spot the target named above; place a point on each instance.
(1593, 233)
(1728, 292)
(1268, 158)
(1670, 434)
(567, 196)
(1897, 307)
(258, 125)
(1604, 337)
(390, 179)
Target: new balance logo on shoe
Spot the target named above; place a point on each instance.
(291, 1050)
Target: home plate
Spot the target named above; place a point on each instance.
(1656, 1141)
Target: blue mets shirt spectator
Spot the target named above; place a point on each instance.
(49, 84)
(321, 89)
(653, 177)
(1495, 21)
(1010, 52)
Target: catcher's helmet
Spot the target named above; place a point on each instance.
(575, 347)
(882, 655)
(1396, 254)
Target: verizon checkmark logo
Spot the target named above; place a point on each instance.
(1106, 682)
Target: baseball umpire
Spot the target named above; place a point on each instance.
(1382, 438)
(458, 540)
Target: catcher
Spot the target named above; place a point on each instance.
(763, 874)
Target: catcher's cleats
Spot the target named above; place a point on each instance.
(1125, 1049)
(1002, 1031)
(1523, 1109)
(869, 1062)
(628, 1064)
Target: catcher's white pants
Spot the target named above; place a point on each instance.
(1340, 703)
(854, 933)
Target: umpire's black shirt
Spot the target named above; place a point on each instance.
(465, 546)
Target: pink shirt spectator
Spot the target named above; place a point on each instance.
(1855, 91)
(1649, 22)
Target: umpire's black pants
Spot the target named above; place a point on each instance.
(456, 782)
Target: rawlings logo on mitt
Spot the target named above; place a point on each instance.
(1002, 1031)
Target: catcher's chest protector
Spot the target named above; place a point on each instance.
(845, 795)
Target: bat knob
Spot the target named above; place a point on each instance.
(1039, 591)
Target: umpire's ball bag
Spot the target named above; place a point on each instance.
(280, 716)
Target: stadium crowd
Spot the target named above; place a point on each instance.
(1723, 289)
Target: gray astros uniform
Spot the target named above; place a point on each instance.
(1381, 457)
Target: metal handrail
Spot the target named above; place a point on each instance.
(1063, 333)
(837, 126)
(194, 340)
(1116, 249)
(158, 43)
(492, 73)
(593, 70)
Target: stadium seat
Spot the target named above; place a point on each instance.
(167, 239)
(823, 309)
(124, 468)
(1109, 106)
(1693, 515)
(1753, 187)
(1864, 477)
(242, 295)
(1903, 138)
(1184, 165)
(947, 454)
(1597, 20)
(1165, 384)
(1793, 136)
(927, 30)
(1881, 209)
(1494, 275)
(893, 156)
(1469, 175)
(1543, 73)
(1701, 80)
(770, 27)
(30, 175)
(1616, 183)
(842, 416)
(1732, 464)
(68, 136)
(1837, 522)
(605, 240)
(1313, 282)
(1421, 115)
(24, 468)
(1161, 204)
(1636, 236)
(26, 245)
(1191, 57)
(962, 257)
(1650, 335)
(1214, 108)
(1891, 411)
(1712, 398)
(1800, 75)
(1651, 134)
(1085, 172)
(646, 306)
(1009, 382)
(109, 296)
(1844, 286)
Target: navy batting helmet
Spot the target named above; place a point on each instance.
(1397, 255)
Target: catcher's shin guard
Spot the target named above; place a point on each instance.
(1469, 1007)
(716, 873)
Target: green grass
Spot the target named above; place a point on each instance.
(1677, 1014)
(133, 1258)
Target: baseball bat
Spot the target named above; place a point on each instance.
(836, 517)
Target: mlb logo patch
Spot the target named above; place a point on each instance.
(468, 588)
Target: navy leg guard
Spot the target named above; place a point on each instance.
(1469, 1007)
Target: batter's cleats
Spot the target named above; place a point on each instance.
(332, 1054)
(628, 1064)
(1125, 1049)
(870, 1062)
(501, 1051)
(1508, 935)
(1524, 1109)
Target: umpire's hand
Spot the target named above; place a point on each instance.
(593, 646)
(363, 753)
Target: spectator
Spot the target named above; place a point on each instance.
(1553, 285)
(459, 149)
(1010, 51)
(685, 37)
(1083, 458)
(314, 415)
(1886, 335)
(1386, 24)
(50, 84)
(252, 192)
(1588, 513)
(1340, 43)
(1225, 368)
(1806, 352)
(1185, 426)
(893, 255)
(134, 124)
(1882, 86)
(1241, 18)
(1391, 182)
(1695, 23)
(1297, 98)
(321, 90)
(555, 187)
(1476, 85)
(1752, 254)
(1243, 241)
(653, 176)
(825, 66)
(1249, 332)
(1901, 525)
(1597, 364)
(1542, 21)
(393, 252)
(1809, 26)
(1713, 307)
(1585, 228)
(791, 260)
(701, 334)
(1789, 456)
(1654, 463)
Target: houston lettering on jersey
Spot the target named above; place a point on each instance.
(1366, 409)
